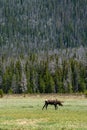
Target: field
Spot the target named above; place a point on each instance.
(25, 113)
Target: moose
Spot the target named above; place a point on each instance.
(52, 102)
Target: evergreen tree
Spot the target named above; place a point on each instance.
(42, 85)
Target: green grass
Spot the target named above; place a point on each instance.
(25, 113)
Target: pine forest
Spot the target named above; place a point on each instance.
(43, 46)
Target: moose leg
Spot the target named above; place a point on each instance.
(56, 106)
(44, 106)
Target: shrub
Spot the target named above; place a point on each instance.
(1, 93)
(85, 94)
(10, 91)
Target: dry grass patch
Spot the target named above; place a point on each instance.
(32, 122)
(24, 122)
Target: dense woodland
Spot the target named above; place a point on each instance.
(43, 46)
(58, 71)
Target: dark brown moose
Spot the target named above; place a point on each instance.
(52, 102)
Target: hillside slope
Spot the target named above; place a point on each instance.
(27, 25)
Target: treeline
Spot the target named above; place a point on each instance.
(42, 73)
(27, 25)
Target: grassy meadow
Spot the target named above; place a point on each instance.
(25, 113)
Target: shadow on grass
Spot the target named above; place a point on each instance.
(28, 106)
